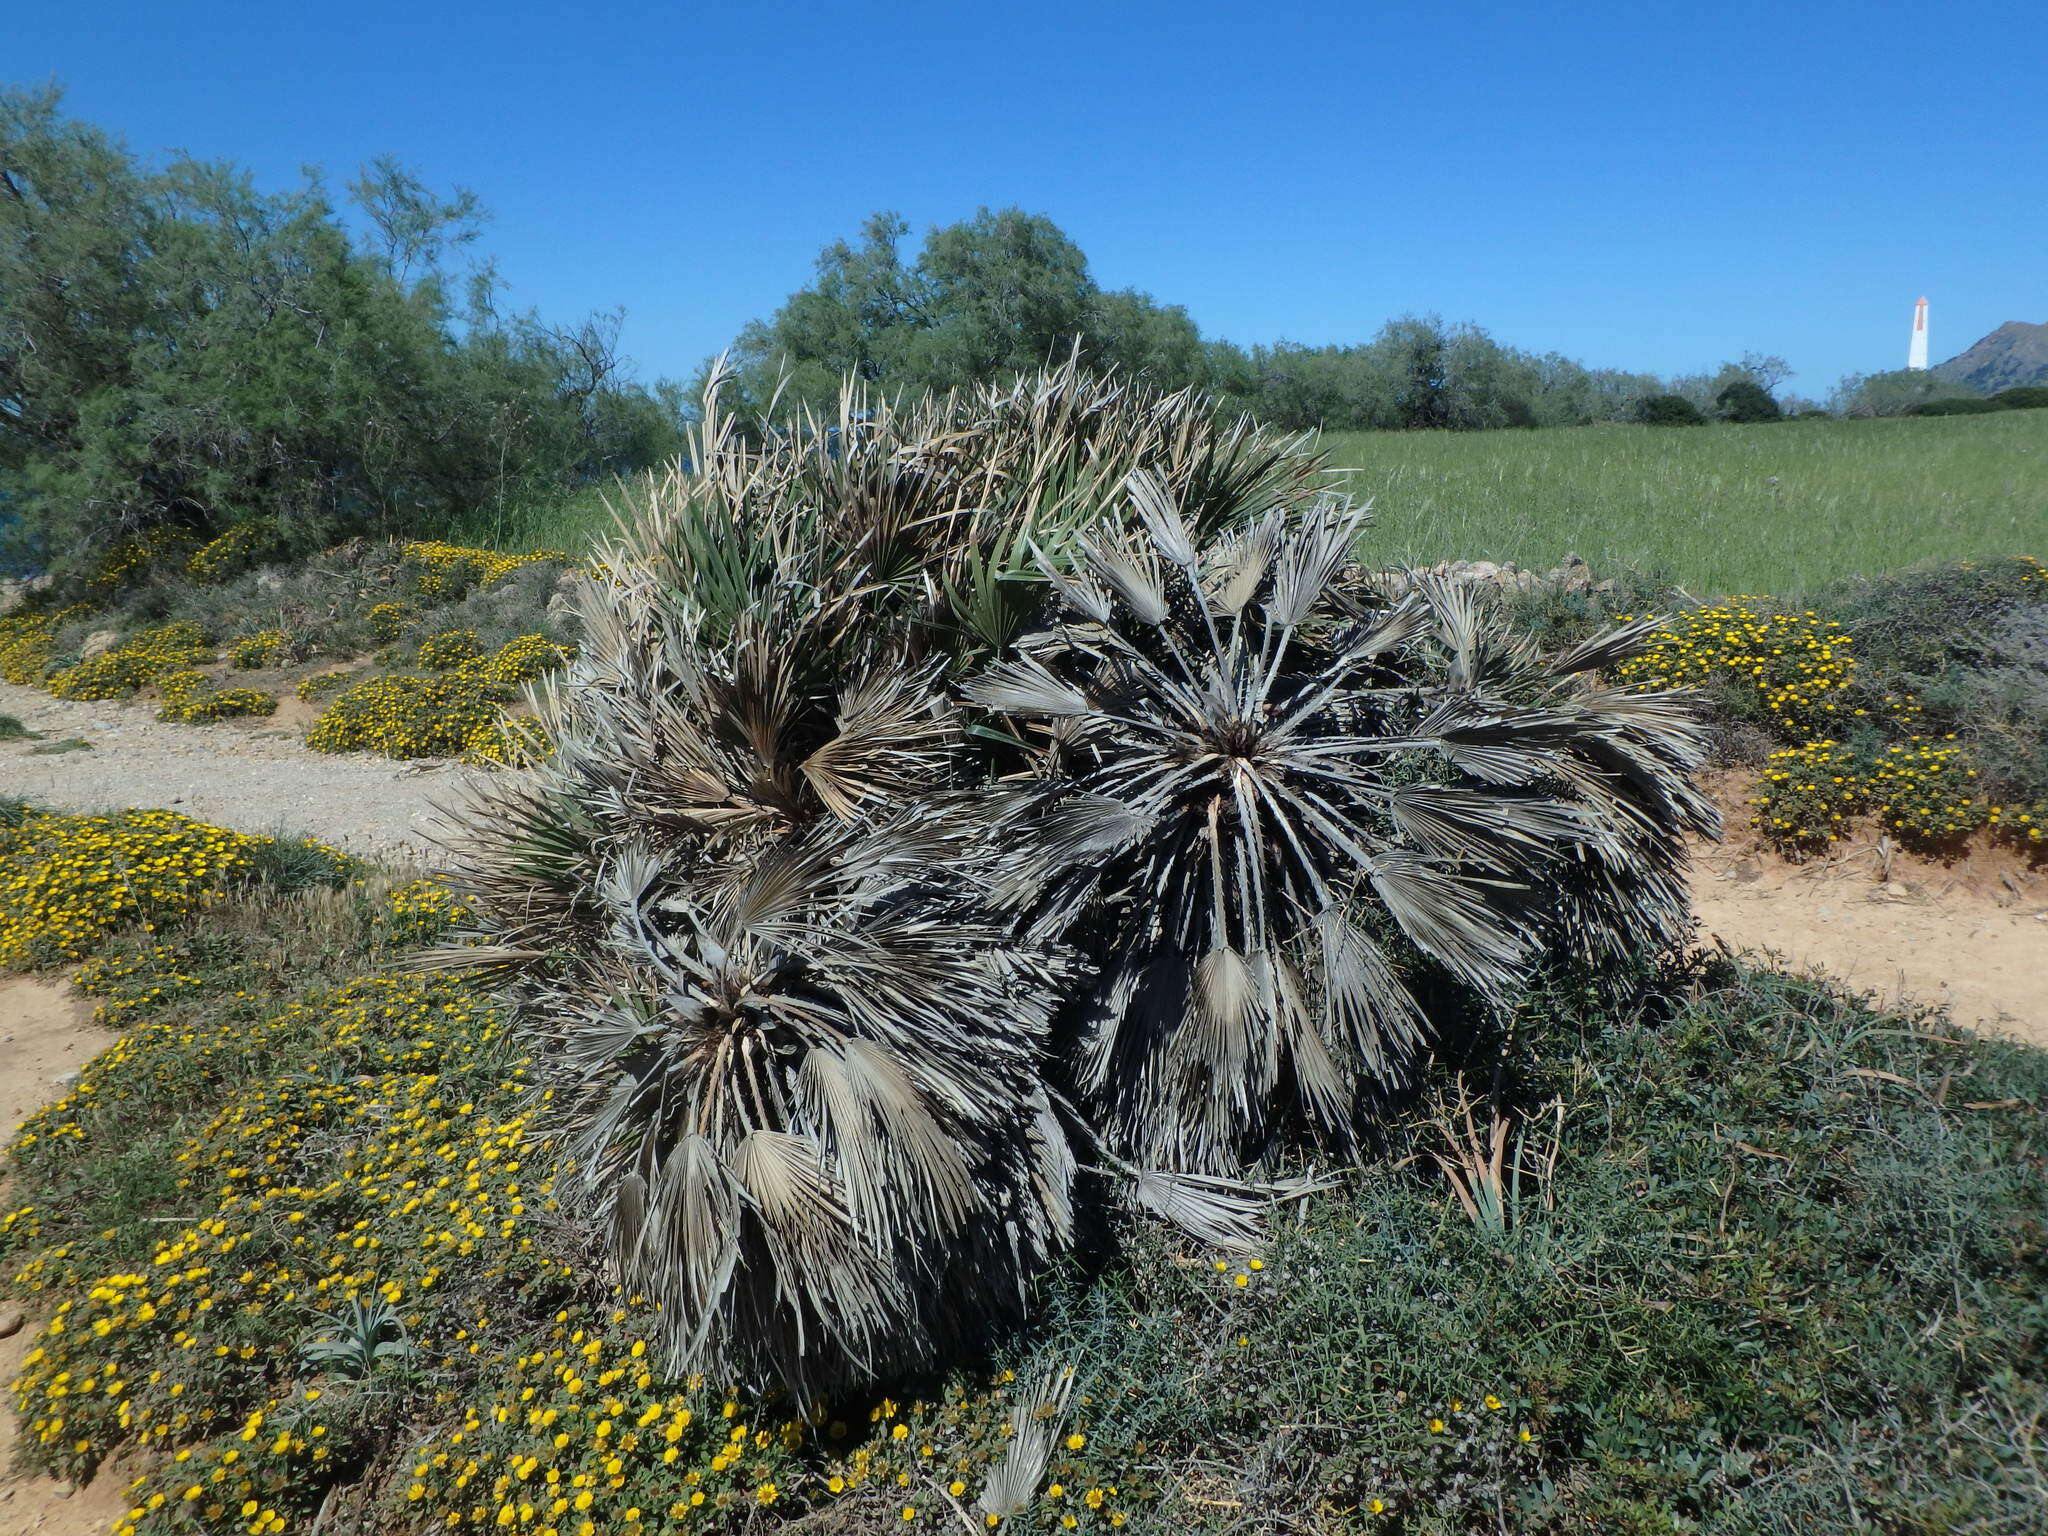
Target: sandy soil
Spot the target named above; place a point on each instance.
(1970, 935)
(252, 775)
(45, 1032)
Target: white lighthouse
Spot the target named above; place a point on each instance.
(1916, 355)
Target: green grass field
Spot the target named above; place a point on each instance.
(1778, 509)
(1775, 509)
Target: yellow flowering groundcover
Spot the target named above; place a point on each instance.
(454, 710)
(1796, 673)
(370, 1220)
(67, 881)
(447, 570)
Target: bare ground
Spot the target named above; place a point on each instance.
(45, 1032)
(1970, 935)
(252, 775)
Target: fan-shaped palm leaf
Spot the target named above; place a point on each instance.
(1263, 804)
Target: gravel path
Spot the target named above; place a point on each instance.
(252, 775)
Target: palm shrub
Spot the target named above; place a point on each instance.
(1275, 812)
(806, 1103)
(948, 798)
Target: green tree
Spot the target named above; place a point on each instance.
(1668, 411)
(1743, 400)
(178, 347)
(1895, 393)
(988, 298)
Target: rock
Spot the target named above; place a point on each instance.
(11, 1319)
(98, 643)
(270, 579)
(68, 1080)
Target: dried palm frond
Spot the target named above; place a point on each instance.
(1263, 807)
(806, 1106)
(1037, 1425)
(917, 519)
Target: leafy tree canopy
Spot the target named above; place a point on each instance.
(1744, 400)
(178, 347)
(1002, 293)
(993, 296)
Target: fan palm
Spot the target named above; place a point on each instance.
(808, 987)
(1265, 806)
(805, 1103)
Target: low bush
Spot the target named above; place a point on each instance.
(404, 717)
(448, 650)
(131, 665)
(1920, 700)
(1669, 411)
(28, 645)
(2023, 397)
(68, 881)
(1787, 670)
(233, 551)
(192, 699)
(445, 572)
(444, 714)
(1967, 642)
(511, 741)
(324, 685)
(265, 648)
(1961, 407)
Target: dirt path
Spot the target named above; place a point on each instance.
(1973, 937)
(252, 775)
(45, 1032)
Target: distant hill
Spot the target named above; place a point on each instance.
(2015, 353)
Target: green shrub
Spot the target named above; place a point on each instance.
(1668, 411)
(265, 648)
(404, 717)
(192, 698)
(2023, 397)
(1748, 402)
(448, 650)
(1956, 408)
(132, 664)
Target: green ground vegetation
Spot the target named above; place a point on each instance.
(1782, 508)
(1720, 1251)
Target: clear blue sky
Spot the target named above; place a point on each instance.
(1644, 185)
